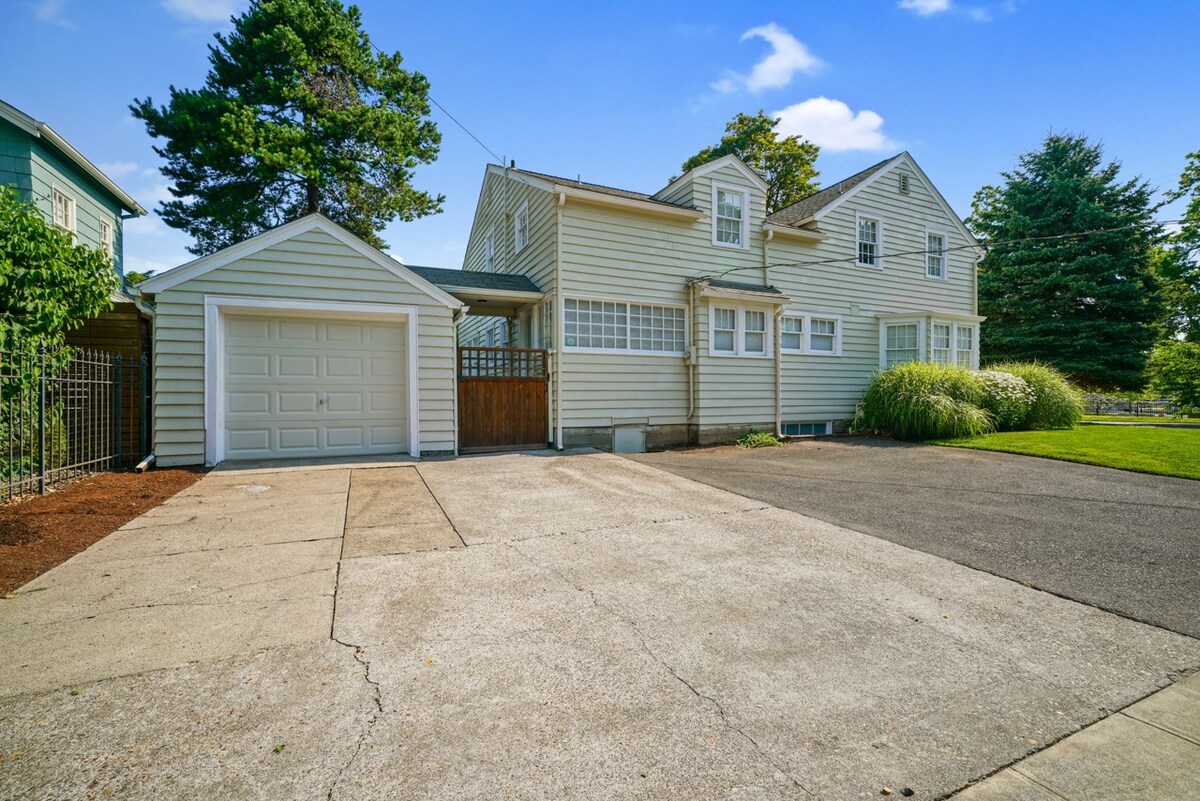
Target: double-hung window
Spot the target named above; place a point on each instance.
(729, 217)
(489, 252)
(521, 228)
(935, 254)
(64, 210)
(106, 238)
(740, 331)
(870, 241)
(964, 345)
(940, 339)
(810, 333)
(615, 325)
(902, 343)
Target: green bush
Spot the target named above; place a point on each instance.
(757, 439)
(1174, 371)
(1007, 398)
(1056, 402)
(918, 401)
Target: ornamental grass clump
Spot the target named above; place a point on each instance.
(1056, 402)
(919, 401)
(1007, 398)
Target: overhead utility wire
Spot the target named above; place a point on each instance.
(980, 246)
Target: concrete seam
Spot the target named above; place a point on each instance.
(1039, 783)
(1126, 713)
(436, 500)
(643, 642)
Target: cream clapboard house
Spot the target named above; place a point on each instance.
(649, 320)
(690, 314)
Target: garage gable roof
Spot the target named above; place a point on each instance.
(312, 222)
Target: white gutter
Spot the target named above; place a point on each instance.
(647, 206)
(796, 233)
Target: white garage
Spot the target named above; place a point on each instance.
(304, 341)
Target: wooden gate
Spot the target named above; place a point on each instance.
(501, 399)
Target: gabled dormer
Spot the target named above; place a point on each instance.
(729, 193)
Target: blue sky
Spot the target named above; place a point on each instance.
(621, 93)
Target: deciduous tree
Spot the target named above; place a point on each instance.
(298, 114)
(786, 162)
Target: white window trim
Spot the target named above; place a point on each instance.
(72, 229)
(739, 334)
(745, 232)
(674, 354)
(522, 211)
(945, 253)
(489, 251)
(924, 338)
(858, 217)
(806, 336)
(215, 309)
(922, 350)
(109, 248)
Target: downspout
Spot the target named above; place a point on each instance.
(692, 356)
(460, 315)
(558, 321)
(778, 373)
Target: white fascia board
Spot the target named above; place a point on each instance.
(708, 167)
(941, 315)
(644, 206)
(796, 233)
(312, 222)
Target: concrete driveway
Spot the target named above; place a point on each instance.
(1121, 541)
(533, 626)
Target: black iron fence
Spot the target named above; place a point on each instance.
(68, 413)
(1095, 403)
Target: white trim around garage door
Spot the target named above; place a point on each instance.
(215, 307)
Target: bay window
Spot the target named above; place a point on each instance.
(902, 343)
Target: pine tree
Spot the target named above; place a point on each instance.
(1085, 302)
(298, 114)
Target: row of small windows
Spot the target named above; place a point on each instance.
(609, 325)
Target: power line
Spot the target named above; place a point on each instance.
(980, 246)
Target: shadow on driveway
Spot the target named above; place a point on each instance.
(1125, 542)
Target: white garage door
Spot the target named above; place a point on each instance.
(297, 387)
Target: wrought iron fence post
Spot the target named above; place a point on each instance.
(41, 358)
(118, 434)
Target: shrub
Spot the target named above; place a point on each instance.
(1056, 402)
(1007, 398)
(1175, 372)
(919, 401)
(757, 439)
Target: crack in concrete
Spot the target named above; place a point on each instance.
(644, 641)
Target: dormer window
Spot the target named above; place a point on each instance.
(729, 216)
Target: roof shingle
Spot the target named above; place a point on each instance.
(803, 210)
(474, 279)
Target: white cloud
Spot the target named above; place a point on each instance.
(118, 169)
(925, 7)
(832, 125)
(787, 57)
(51, 12)
(203, 10)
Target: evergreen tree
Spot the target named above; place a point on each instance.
(785, 162)
(1086, 302)
(1179, 266)
(298, 114)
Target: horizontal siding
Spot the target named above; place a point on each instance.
(500, 199)
(310, 266)
(91, 205)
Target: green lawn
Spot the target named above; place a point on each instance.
(1162, 451)
(1129, 418)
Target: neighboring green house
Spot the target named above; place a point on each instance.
(690, 314)
(75, 195)
(65, 186)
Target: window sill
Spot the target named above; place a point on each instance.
(729, 246)
(878, 267)
(623, 352)
(719, 355)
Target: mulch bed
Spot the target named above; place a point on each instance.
(43, 531)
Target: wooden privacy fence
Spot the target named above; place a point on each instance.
(501, 398)
(68, 413)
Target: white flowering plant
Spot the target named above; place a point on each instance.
(1007, 398)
